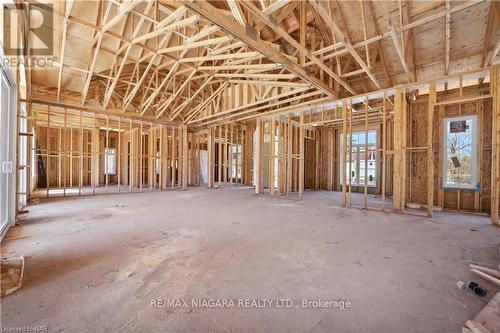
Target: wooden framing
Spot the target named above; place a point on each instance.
(191, 76)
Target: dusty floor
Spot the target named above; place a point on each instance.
(94, 264)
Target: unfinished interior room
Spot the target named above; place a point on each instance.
(250, 166)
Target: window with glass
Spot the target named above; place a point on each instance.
(157, 163)
(110, 161)
(361, 159)
(236, 158)
(460, 153)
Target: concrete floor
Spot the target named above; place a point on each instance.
(94, 264)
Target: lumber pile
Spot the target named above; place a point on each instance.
(488, 319)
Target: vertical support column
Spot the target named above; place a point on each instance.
(344, 153)
(440, 200)
(317, 159)
(180, 157)
(365, 189)
(303, 27)
(384, 147)
(329, 177)
(210, 163)
(47, 151)
(495, 140)
(301, 156)
(257, 156)
(174, 159)
(80, 149)
(349, 109)
(430, 150)
(141, 156)
(219, 165)
(272, 132)
(399, 180)
(119, 152)
(289, 157)
(185, 165)
(106, 146)
(95, 156)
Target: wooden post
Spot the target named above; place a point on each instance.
(174, 156)
(257, 156)
(384, 147)
(495, 140)
(365, 194)
(119, 152)
(185, 165)
(271, 155)
(141, 156)
(350, 154)
(430, 150)
(344, 153)
(399, 181)
(47, 150)
(210, 163)
(219, 164)
(80, 167)
(301, 156)
(105, 152)
(289, 157)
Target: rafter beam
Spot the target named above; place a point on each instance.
(213, 15)
(347, 43)
(221, 57)
(69, 5)
(94, 57)
(110, 90)
(203, 33)
(236, 11)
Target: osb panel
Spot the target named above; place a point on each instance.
(418, 160)
(417, 189)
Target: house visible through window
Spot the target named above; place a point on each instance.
(460, 153)
(110, 161)
(357, 164)
(236, 152)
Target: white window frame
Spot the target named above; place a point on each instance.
(110, 154)
(343, 164)
(474, 179)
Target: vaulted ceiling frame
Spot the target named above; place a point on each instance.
(215, 52)
(280, 31)
(229, 75)
(136, 31)
(346, 41)
(410, 40)
(123, 10)
(213, 15)
(236, 11)
(270, 108)
(99, 28)
(388, 34)
(100, 35)
(166, 104)
(177, 111)
(379, 43)
(268, 90)
(283, 14)
(67, 11)
(488, 30)
(196, 110)
(206, 30)
(250, 105)
(365, 33)
(128, 99)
